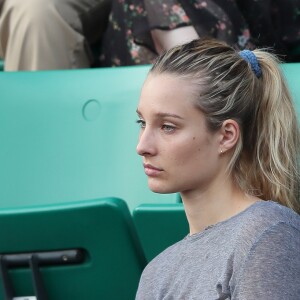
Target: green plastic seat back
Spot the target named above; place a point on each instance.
(292, 74)
(71, 135)
(1, 65)
(159, 226)
(102, 227)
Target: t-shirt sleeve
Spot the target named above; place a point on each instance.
(271, 270)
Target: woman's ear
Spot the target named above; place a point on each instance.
(230, 133)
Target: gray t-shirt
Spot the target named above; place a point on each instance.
(253, 255)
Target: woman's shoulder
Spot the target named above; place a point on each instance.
(265, 217)
(268, 249)
(263, 221)
(242, 230)
(260, 218)
(265, 214)
(237, 234)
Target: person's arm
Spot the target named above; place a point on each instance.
(167, 39)
(272, 268)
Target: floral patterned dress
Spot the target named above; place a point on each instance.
(243, 24)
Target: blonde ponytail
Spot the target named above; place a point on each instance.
(275, 164)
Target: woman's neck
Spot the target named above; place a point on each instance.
(215, 204)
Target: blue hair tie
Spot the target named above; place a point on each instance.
(250, 57)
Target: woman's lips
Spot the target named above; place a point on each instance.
(151, 170)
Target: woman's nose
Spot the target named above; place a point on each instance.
(146, 143)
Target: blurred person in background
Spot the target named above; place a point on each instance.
(50, 34)
(139, 30)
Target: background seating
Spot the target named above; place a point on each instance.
(71, 135)
(292, 75)
(112, 258)
(159, 226)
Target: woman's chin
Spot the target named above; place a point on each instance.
(160, 188)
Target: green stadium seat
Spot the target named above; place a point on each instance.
(71, 135)
(292, 75)
(159, 226)
(1, 65)
(78, 250)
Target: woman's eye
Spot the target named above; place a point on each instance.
(168, 128)
(141, 123)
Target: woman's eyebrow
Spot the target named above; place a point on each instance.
(163, 115)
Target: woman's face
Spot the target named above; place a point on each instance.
(179, 153)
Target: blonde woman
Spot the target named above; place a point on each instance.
(219, 127)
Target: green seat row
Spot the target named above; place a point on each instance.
(113, 247)
(108, 261)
